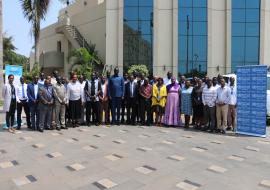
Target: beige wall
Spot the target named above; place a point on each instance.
(90, 20)
(265, 33)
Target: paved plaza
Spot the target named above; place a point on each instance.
(132, 158)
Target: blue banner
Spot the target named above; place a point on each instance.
(16, 70)
(251, 100)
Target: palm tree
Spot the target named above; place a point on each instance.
(35, 11)
(1, 50)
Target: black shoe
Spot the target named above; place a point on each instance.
(40, 130)
(18, 128)
(223, 132)
(228, 129)
(58, 128)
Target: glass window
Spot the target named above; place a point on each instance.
(131, 13)
(196, 33)
(245, 32)
(129, 3)
(138, 33)
(185, 3)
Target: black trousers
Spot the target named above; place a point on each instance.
(145, 108)
(23, 104)
(131, 107)
(92, 109)
(123, 108)
(10, 115)
(210, 116)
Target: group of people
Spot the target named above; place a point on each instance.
(57, 103)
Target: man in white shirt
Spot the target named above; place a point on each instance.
(232, 106)
(168, 80)
(75, 100)
(222, 104)
(41, 79)
(22, 102)
(209, 97)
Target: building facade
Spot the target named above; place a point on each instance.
(182, 36)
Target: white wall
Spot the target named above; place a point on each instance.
(265, 33)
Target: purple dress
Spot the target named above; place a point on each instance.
(172, 109)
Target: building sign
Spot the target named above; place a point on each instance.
(16, 70)
(251, 100)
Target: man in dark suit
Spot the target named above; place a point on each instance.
(116, 94)
(33, 96)
(45, 106)
(131, 97)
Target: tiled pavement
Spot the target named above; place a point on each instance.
(132, 158)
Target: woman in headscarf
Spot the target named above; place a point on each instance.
(159, 95)
(186, 102)
(172, 112)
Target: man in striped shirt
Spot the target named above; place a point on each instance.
(209, 97)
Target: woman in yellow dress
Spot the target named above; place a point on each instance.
(159, 95)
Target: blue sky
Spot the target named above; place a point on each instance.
(16, 25)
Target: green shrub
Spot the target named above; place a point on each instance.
(139, 69)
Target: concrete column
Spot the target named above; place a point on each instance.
(114, 34)
(163, 38)
(228, 60)
(265, 33)
(217, 33)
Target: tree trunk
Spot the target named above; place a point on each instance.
(1, 50)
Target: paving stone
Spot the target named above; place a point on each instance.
(100, 135)
(145, 169)
(188, 185)
(168, 142)
(26, 138)
(265, 183)
(199, 149)
(188, 136)
(164, 131)
(217, 169)
(4, 165)
(176, 158)
(105, 184)
(217, 142)
(39, 145)
(54, 155)
(113, 157)
(144, 149)
(264, 142)
(3, 151)
(251, 148)
(119, 141)
(75, 167)
(144, 136)
(123, 131)
(55, 134)
(89, 147)
(237, 158)
(24, 180)
(83, 130)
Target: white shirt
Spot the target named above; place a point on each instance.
(53, 81)
(223, 95)
(216, 87)
(21, 90)
(36, 90)
(168, 81)
(41, 81)
(103, 88)
(233, 99)
(132, 89)
(74, 91)
(209, 96)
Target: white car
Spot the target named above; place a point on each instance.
(268, 90)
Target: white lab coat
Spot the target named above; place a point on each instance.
(6, 94)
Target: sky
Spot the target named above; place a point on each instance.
(16, 25)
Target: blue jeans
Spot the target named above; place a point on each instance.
(116, 106)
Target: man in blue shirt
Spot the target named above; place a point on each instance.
(116, 89)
